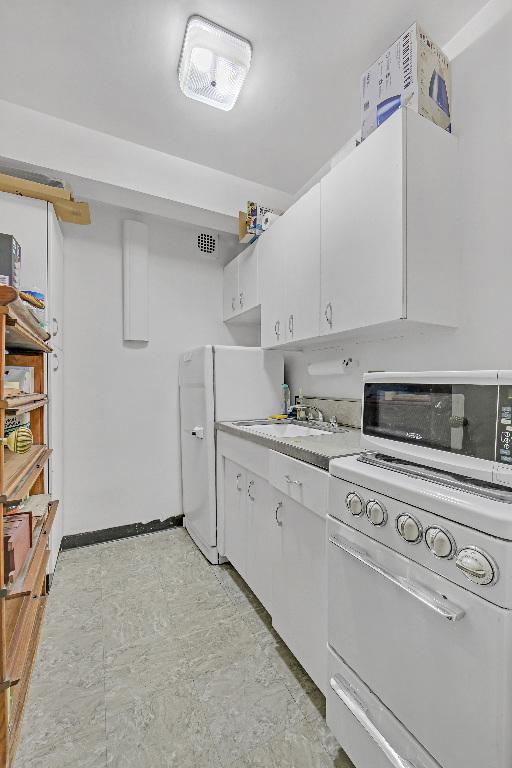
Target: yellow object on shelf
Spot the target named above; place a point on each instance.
(19, 441)
(278, 417)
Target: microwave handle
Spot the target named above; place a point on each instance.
(342, 689)
(428, 597)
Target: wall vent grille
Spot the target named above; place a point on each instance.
(206, 243)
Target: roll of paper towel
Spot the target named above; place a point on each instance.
(331, 367)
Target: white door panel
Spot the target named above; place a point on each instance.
(55, 280)
(56, 442)
(302, 250)
(299, 585)
(363, 234)
(235, 516)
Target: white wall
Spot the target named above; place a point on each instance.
(482, 119)
(121, 399)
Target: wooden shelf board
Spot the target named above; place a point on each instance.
(19, 692)
(15, 406)
(26, 583)
(21, 471)
(17, 335)
(18, 644)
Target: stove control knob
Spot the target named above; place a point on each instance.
(409, 528)
(354, 504)
(440, 542)
(477, 566)
(376, 513)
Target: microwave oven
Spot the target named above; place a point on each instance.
(456, 421)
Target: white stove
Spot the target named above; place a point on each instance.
(419, 616)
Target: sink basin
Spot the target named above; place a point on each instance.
(284, 430)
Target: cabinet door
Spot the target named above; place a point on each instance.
(55, 279)
(363, 234)
(56, 442)
(248, 288)
(26, 220)
(261, 535)
(299, 585)
(302, 249)
(235, 516)
(231, 299)
(272, 245)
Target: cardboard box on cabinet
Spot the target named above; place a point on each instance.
(414, 72)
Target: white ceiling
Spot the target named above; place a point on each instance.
(111, 65)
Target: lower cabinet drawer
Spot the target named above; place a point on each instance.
(367, 731)
(307, 485)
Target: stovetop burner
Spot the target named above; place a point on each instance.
(441, 477)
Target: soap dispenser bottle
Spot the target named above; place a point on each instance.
(286, 399)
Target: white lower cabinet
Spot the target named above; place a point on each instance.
(298, 602)
(248, 528)
(260, 539)
(235, 517)
(273, 533)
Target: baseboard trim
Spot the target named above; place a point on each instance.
(118, 532)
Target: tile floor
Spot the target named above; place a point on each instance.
(152, 658)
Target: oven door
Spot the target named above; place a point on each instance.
(437, 656)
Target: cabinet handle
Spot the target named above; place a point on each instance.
(241, 300)
(278, 521)
(277, 328)
(55, 366)
(289, 481)
(251, 483)
(55, 326)
(328, 314)
(238, 481)
(233, 304)
(290, 324)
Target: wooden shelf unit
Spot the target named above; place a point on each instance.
(22, 603)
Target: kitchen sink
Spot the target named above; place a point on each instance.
(284, 430)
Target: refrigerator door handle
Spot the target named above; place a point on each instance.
(198, 432)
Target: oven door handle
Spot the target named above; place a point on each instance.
(428, 597)
(343, 690)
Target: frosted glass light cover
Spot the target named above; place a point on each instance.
(213, 64)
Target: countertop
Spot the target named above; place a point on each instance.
(313, 449)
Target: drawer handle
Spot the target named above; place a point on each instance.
(239, 475)
(343, 690)
(428, 597)
(289, 481)
(278, 521)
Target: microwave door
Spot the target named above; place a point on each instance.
(457, 422)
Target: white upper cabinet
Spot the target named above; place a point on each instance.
(241, 284)
(302, 256)
(273, 275)
(248, 278)
(290, 273)
(230, 293)
(389, 229)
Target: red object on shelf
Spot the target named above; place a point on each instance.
(17, 543)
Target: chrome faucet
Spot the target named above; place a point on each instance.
(311, 414)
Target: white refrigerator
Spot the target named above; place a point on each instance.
(218, 383)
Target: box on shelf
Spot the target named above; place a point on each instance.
(10, 261)
(259, 218)
(19, 378)
(17, 543)
(66, 208)
(414, 72)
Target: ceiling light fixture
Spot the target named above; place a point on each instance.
(213, 64)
